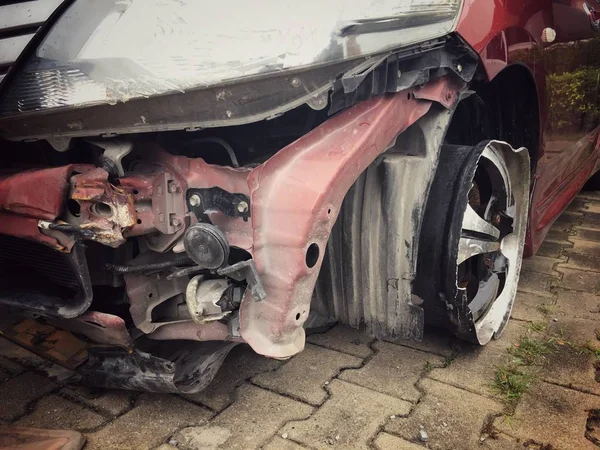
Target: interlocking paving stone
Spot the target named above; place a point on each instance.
(304, 376)
(541, 264)
(279, 443)
(474, 367)
(257, 415)
(591, 218)
(551, 249)
(393, 370)
(28, 359)
(551, 415)
(572, 362)
(10, 367)
(579, 280)
(350, 418)
(592, 205)
(386, 441)
(579, 204)
(206, 438)
(531, 307)
(586, 247)
(587, 234)
(536, 283)
(580, 261)
(166, 447)
(558, 235)
(451, 417)
(18, 392)
(435, 340)
(344, 339)
(110, 402)
(576, 305)
(56, 412)
(241, 364)
(153, 419)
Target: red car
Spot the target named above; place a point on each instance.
(181, 177)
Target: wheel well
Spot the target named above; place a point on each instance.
(506, 109)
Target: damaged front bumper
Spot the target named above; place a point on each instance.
(281, 212)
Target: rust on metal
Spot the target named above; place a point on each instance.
(105, 210)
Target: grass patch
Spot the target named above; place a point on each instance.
(528, 351)
(448, 360)
(537, 327)
(546, 309)
(511, 382)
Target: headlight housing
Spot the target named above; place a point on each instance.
(114, 50)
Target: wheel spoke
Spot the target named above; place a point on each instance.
(486, 294)
(469, 247)
(474, 224)
(496, 160)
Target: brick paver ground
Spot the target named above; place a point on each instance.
(349, 391)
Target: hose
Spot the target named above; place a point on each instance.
(228, 148)
(150, 267)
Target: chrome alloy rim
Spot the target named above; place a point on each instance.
(490, 247)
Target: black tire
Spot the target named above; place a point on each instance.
(472, 239)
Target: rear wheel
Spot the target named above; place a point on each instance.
(472, 239)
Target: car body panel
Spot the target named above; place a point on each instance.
(511, 32)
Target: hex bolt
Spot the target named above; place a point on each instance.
(195, 200)
(242, 206)
(173, 187)
(459, 68)
(296, 82)
(176, 221)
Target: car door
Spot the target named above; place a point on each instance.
(571, 60)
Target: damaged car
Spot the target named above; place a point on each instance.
(178, 178)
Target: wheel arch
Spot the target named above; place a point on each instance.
(506, 108)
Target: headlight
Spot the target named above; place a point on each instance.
(115, 50)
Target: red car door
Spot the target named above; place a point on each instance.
(571, 60)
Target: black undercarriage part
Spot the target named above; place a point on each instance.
(185, 368)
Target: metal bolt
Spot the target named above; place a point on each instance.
(296, 82)
(242, 206)
(176, 221)
(459, 68)
(173, 187)
(195, 200)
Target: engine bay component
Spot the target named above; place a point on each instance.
(44, 281)
(206, 245)
(202, 201)
(203, 299)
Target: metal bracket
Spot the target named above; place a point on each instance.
(168, 209)
(246, 270)
(202, 201)
(114, 152)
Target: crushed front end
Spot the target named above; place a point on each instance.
(147, 227)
